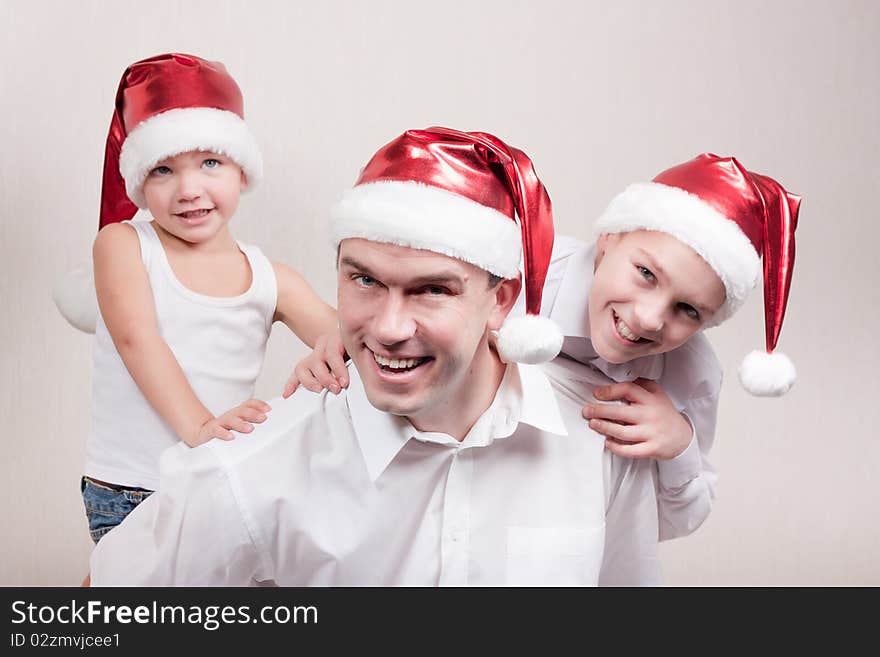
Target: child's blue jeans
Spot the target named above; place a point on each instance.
(108, 504)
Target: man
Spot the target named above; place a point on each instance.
(441, 464)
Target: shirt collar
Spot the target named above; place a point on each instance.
(524, 396)
(570, 312)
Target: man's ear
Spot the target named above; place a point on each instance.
(506, 293)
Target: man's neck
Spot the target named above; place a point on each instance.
(459, 412)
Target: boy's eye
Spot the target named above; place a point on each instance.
(160, 171)
(690, 311)
(434, 290)
(646, 273)
(211, 163)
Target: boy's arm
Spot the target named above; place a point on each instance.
(126, 303)
(303, 311)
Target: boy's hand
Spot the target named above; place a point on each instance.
(649, 426)
(323, 368)
(237, 419)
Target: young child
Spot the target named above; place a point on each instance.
(185, 309)
(671, 258)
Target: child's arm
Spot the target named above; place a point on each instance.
(126, 303)
(315, 323)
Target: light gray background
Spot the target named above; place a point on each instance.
(600, 94)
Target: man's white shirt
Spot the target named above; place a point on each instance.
(329, 491)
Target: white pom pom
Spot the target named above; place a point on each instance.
(528, 339)
(767, 375)
(74, 295)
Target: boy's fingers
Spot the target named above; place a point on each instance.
(221, 433)
(648, 384)
(615, 412)
(237, 424)
(630, 451)
(290, 387)
(338, 369)
(258, 405)
(614, 430)
(627, 390)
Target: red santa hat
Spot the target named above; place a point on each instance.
(165, 105)
(731, 217)
(460, 194)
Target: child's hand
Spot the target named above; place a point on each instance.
(649, 426)
(323, 368)
(237, 419)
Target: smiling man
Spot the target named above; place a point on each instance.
(448, 460)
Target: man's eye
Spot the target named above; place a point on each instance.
(365, 281)
(160, 171)
(690, 311)
(211, 163)
(646, 273)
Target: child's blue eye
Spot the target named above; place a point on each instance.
(646, 273)
(160, 171)
(211, 163)
(435, 290)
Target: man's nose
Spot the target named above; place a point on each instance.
(393, 322)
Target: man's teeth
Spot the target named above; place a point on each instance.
(396, 363)
(623, 329)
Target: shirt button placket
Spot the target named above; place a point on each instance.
(455, 537)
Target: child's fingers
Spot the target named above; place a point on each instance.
(338, 368)
(325, 379)
(630, 450)
(238, 424)
(631, 414)
(252, 415)
(627, 390)
(258, 404)
(309, 382)
(290, 387)
(614, 430)
(221, 433)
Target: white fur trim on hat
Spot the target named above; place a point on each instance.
(188, 129)
(528, 339)
(717, 239)
(419, 216)
(74, 295)
(767, 375)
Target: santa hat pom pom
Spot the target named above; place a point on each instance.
(767, 375)
(528, 339)
(74, 296)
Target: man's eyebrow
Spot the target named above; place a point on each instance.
(441, 277)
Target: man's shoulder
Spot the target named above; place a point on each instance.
(572, 381)
(290, 421)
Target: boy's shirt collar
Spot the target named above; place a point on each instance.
(570, 312)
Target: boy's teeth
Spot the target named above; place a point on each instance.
(625, 332)
(397, 363)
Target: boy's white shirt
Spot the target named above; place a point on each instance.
(691, 375)
(330, 491)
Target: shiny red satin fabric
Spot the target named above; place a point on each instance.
(765, 212)
(150, 87)
(482, 168)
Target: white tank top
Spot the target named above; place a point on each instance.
(219, 342)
